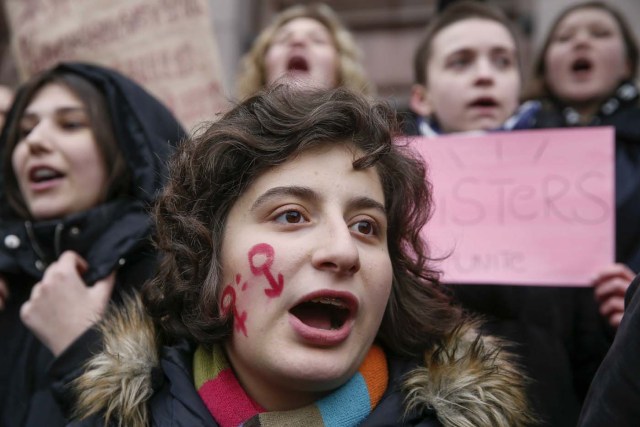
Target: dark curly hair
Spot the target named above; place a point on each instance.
(212, 169)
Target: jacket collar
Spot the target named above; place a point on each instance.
(625, 94)
(104, 236)
(466, 380)
(176, 362)
(522, 118)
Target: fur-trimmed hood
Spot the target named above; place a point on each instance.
(469, 381)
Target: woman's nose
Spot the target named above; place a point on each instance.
(297, 39)
(485, 72)
(581, 38)
(38, 138)
(337, 251)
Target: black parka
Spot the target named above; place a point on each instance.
(558, 332)
(614, 395)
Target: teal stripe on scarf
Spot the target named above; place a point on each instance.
(347, 406)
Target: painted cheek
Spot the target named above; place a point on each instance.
(260, 260)
(228, 306)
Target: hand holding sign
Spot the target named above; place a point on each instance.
(611, 285)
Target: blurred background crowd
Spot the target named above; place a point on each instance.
(381, 28)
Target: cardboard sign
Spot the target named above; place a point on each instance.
(166, 46)
(527, 207)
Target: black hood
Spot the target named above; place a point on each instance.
(147, 133)
(145, 129)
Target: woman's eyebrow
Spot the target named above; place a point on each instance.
(367, 203)
(65, 110)
(29, 116)
(296, 191)
(57, 111)
(307, 193)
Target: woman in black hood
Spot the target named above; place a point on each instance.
(84, 154)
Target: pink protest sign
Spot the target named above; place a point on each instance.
(527, 207)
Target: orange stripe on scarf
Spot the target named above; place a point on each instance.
(375, 373)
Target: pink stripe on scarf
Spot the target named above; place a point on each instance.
(227, 401)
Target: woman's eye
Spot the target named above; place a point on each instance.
(364, 227)
(279, 40)
(503, 62)
(282, 37)
(563, 37)
(459, 63)
(24, 131)
(73, 124)
(601, 33)
(27, 124)
(290, 217)
(320, 39)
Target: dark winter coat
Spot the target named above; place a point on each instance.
(468, 381)
(614, 395)
(558, 333)
(622, 111)
(112, 236)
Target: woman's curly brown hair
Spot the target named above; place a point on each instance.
(210, 172)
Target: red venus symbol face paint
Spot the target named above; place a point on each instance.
(263, 254)
(229, 304)
(266, 251)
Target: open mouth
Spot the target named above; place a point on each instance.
(297, 63)
(581, 65)
(328, 313)
(44, 174)
(484, 102)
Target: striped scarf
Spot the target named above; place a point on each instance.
(230, 406)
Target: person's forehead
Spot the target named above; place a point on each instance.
(588, 15)
(470, 33)
(322, 160)
(303, 23)
(54, 93)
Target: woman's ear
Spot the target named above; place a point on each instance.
(419, 101)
